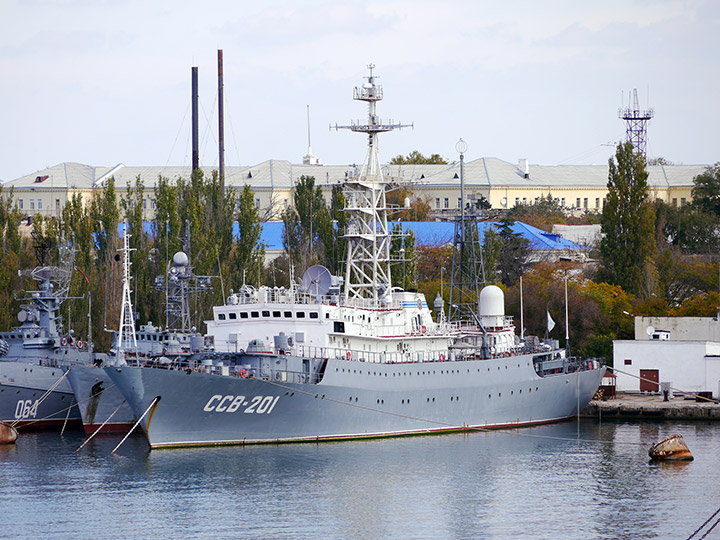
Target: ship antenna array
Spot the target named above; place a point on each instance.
(126, 331)
(367, 271)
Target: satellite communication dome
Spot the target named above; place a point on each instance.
(180, 259)
(492, 302)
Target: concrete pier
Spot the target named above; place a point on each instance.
(651, 407)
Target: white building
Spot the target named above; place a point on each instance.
(682, 351)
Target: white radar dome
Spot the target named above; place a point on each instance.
(492, 302)
(180, 259)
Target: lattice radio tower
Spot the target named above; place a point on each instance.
(367, 274)
(468, 274)
(636, 123)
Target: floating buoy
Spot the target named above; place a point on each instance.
(8, 434)
(671, 448)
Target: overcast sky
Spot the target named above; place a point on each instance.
(103, 82)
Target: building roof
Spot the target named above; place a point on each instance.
(281, 174)
(440, 233)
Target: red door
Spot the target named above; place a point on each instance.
(649, 380)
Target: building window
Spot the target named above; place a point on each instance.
(577, 203)
(459, 202)
(517, 201)
(437, 203)
(32, 204)
(562, 202)
(152, 204)
(144, 204)
(285, 203)
(20, 204)
(682, 202)
(585, 203)
(57, 205)
(447, 203)
(628, 362)
(675, 202)
(597, 202)
(257, 203)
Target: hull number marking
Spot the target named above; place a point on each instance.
(231, 404)
(26, 408)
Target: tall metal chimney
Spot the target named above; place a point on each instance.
(195, 138)
(221, 122)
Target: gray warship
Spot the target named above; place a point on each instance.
(102, 407)
(346, 358)
(34, 390)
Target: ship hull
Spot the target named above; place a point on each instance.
(353, 400)
(101, 405)
(22, 387)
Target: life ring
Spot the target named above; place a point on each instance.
(423, 329)
(349, 355)
(243, 373)
(442, 357)
(63, 341)
(80, 344)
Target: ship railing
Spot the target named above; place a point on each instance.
(279, 295)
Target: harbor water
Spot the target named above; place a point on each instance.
(585, 480)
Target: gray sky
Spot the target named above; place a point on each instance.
(104, 82)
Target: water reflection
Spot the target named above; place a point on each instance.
(545, 482)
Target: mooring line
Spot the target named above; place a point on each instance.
(136, 423)
(701, 527)
(45, 395)
(101, 425)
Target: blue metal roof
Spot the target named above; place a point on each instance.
(438, 233)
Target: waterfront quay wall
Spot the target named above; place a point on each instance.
(651, 407)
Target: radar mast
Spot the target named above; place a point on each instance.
(367, 271)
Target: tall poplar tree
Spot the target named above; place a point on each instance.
(628, 247)
(249, 254)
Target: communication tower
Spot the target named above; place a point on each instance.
(636, 123)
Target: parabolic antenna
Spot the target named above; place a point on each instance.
(650, 330)
(316, 280)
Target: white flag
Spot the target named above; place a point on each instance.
(550, 322)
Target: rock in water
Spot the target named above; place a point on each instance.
(671, 448)
(8, 434)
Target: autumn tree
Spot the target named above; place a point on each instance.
(404, 205)
(628, 248)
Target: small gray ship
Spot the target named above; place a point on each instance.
(34, 390)
(354, 357)
(102, 407)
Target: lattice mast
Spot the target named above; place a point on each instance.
(126, 335)
(636, 123)
(468, 275)
(367, 271)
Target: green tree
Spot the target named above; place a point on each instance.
(416, 158)
(249, 252)
(706, 192)
(402, 250)
(628, 248)
(308, 226)
(512, 259)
